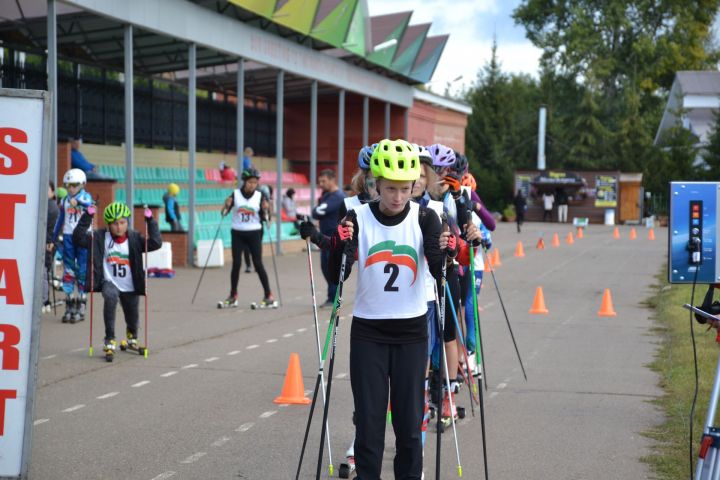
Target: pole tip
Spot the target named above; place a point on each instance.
(90, 352)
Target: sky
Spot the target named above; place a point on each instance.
(471, 25)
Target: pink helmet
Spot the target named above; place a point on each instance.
(442, 156)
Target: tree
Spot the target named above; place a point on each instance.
(711, 152)
(589, 137)
(675, 160)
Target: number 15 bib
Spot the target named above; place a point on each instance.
(391, 267)
(116, 264)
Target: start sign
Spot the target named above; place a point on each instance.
(24, 165)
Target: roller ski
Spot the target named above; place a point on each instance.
(131, 345)
(109, 349)
(348, 468)
(267, 302)
(230, 302)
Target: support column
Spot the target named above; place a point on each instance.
(406, 124)
(52, 83)
(192, 146)
(240, 123)
(313, 142)
(279, 114)
(387, 119)
(129, 122)
(341, 138)
(366, 120)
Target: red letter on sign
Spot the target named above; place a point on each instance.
(10, 354)
(13, 290)
(7, 211)
(18, 159)
(5, 395)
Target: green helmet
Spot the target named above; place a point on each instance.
(115, 211)
(395, 160)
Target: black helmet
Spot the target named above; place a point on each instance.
(250, 173)
(461, 164)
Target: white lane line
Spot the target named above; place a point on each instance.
(164, 476)
(341, 375)
(140, 384)
(73, 408)
(220, 441)
(268, 414)
(234, 352)
(308, 392)
(194, 457)
(250, 347)
(211, 359)
(501, 386)
(299, 297)
(271, 340)
(41, 420)
(300, 330)
(169, 374)
(283, 405)
(288, 335)
(493, 394)
(245, 427)
(81, 349)
(192, 365)
(107, 395)
(48, 357)
(507, 380)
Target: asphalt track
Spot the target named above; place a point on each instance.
(200, 406)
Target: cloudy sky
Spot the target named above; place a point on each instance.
(471, 25)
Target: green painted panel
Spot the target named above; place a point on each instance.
(264, 8)
(333, 29)
(405, 60)
(356, 41)
(385, 56)
(424, 71)
(297, 14)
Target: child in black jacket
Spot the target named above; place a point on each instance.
(117, 266)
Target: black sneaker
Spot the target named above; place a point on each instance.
(247, 270)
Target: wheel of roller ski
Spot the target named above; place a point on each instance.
(109, 357)
(344, 471)
(253, 306)
(123, 346)
(461, 412)
(220, 305)
(141, 351)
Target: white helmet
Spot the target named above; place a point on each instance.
(423, 154)
(74, 175)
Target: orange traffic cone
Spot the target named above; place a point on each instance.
(538, 306)
(519, 250)
(496, 260)
(488, 263)
(555, 240)
(651, 234)
(541, 244)
(633, 234)
(569, 240)
(606, 307)
(580, 233)
(293, 390)
(616, 233)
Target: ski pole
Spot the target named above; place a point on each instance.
(481, 363)
(207, 260)
(321, 375)
(350, 216)
(272, 253)
(145, 327)
(444, 366)
(92, 279)
(507, 320)
(465, 373)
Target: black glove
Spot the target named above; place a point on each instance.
(307, 230)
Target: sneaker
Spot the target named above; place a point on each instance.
(327, 304)
(230, 301)
(446, 406)
(109, 346)
(269, 301)
(247, 270)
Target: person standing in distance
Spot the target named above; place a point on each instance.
(326, 212)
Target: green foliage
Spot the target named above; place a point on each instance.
(605, 73)
(711, 152)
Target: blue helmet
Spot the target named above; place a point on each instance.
(365, 155)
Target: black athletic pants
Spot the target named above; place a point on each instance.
(252, 241)
(129, 302)
(379, 371)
